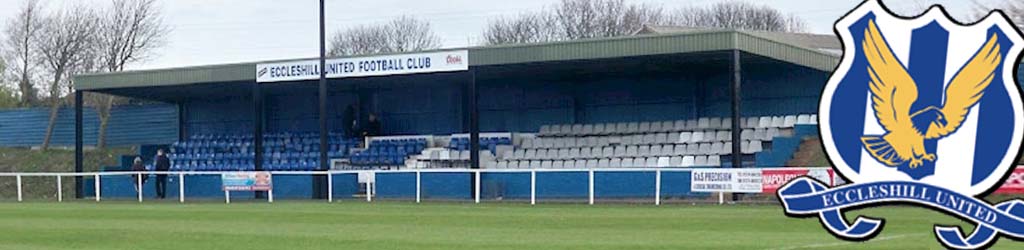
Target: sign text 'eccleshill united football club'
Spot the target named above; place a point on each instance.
(430, 62)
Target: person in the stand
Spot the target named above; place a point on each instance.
(162, 164)
(373, 127)
(348, 121)
(138, 166)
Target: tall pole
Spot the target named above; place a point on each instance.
(78, 143)
(323, 92)
(474, 122)
(318, 181)
(737, 151)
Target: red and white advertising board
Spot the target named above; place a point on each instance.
(772, 179)
(1014, 184)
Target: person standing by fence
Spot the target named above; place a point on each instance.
(138, 166)
(163, 164)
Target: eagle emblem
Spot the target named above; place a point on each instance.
(893, 91)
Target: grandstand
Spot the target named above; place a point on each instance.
(659, 99)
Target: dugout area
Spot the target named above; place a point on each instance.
(651, 77)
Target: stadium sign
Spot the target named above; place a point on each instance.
(726, 180)
(922, 111)
(430, 62)
(247, 181)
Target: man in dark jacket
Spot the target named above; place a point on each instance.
(373, 127)
(162, 164)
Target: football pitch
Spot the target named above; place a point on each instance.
(400, 225)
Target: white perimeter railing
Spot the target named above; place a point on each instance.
(371, 176)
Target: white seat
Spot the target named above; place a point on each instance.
(643, 150)
(715, 123)
(588, 129)
(655, 150)
(692, 149)
(563, 154)
(789, 121)
(705, 148)
(746, 134)
(771, 133)
(656, 127)
(628, 163)
(803, 119)
(814, 119)
(558, 142)
(754, 147)
(644, 127)
(631, 151)
(530, 154)
(603, 141)
(599, 129)
(664, 162)
(592, 163)
(684, 137)
(545, 164)
(545, 130)
(697, 136)
(726, 149)
(648, 139)
(519, 154)
(651, 162)
(700, 161)
(662, 138)
(620, 151)
(533, 164)
(573, 153)
(679, 126)
(667, 126)
(615, 163)
(714, 161)
(759, 134)
(692, 124)
(607, 152)
(604, 163)
(632, 127)
(527, 143)
(576, 129)
(764, 122)
(703, 123)
(621, 128)
(752, 122)
(726, 123)
(723, 135)
(675, 161)
(778, 121)
(687, 161)
(679, 150)
(716, 148)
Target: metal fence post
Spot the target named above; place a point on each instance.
(19, 187)
(477, 186)
(657, 187)
(368, 188)
(97, 182)
(591, 186)
(138, 178)
(533, 187)
(181, 187)
(60, 190)
(270, 192)
(330, 187)
(417, 186)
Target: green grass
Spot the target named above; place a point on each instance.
(396, 225)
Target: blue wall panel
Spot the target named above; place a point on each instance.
(445, 185)
(559, 185)
(345, 185)
(293, 186)
(624, 185)
(396, 185)
(505, 185)
(128, 125)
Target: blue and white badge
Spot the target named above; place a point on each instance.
(924, 111)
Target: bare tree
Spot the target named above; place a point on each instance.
(128, 32)
(66, 46)
(525, 28)
(1013, 9)
(20, 37)
(402, 34)
(738, 15)
(574, 19)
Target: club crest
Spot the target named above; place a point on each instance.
(921, 110)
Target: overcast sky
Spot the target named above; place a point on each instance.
(231, 31)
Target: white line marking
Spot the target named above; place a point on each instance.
(835, 244)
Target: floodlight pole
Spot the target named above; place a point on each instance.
(737, 151)
(78, 143)
(322, 90)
